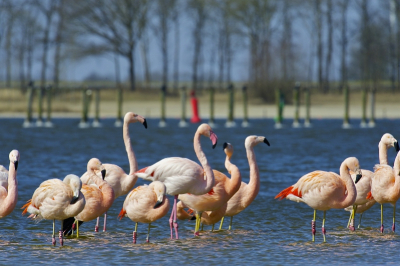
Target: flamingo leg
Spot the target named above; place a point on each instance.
(348, 223)
(77, 228)
(222, 222)
(353, 213)
(197, 227)
(105, 222)
(394, 218)
(313, 226)
(323, 227)
(359, 223)
(212, 228)
(202, 227)
(148, 234)
(53, 238)
(96, 228)
(175, 224)
(61, 234)
(135, 234)
(230, 224)
(382, 228)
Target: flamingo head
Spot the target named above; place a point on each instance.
(205, 130)
(133, 118)
(354, 166)
(253, 140)
(228, 149)
(75, 184)
(94, 165)
(159, 190)
(389, 141)
(14, 158)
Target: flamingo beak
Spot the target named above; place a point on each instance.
(144, 123)
(193, 218)
(16, 165)
(396, 146)
(224, 145)
(266, 141)
(103, 173)
(358, 176)
(214, 139)
(74, 199)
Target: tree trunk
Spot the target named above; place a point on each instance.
(58, 41)
(131, 69)
(343, 65)
(176, 53)
(319, 41)
(330, 45)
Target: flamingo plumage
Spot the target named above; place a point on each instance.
(9, 185)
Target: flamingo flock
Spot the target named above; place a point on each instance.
(200, 192)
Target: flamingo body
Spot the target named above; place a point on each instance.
(9, 185)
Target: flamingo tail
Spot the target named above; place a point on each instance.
(25, 207)
(288, 191)
(369, 196)
(121, 214)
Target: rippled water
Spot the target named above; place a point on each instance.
(268, 232)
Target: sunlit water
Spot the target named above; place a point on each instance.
(268, 232)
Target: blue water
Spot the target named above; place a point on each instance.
(268, 232)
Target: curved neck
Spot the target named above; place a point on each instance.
(396, 171)
(107, 192)
(203, 161)
(351, 195)
(383, 159)
(253, 186)
(10, 201)
(236, 177)
(133, 167)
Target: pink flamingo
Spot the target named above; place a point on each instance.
(9, 186)
(181, 175)
(385, 187)
(56, 200)
(121, 182)
(99, 197)
(247, 192)
(325, 190)
(222, 191)
(145, 204)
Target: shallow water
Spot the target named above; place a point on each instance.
(268, 232)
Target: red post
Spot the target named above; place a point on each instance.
(195, 111)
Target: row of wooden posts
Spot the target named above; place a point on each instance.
(279, 101)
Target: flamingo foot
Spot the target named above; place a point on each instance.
(96, 228)
(170, 226)
(147, 240)
(196, 233)
(393, 227)
(176, 229)
(324, 233)
(352, 228)
(313, 230)
(134, 237)
(382, 228)
(53, 241)
(60, 236)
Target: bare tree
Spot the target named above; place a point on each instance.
(343, 42)
(328, 61)
(318, 19)
(58, 41)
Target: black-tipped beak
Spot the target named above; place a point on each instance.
(16, 165)
(358, 177)
(103, 173)
(158, 203)
(224, 145)
(396, 146)
(266, 141)
(145, 123)
(74, 199)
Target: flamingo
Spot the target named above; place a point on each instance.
(56, 200)
(385, 186)
(9, 185)
(222, 191)
(325, 190)
(247, 192)
(99, 197)
(120, 181)
(181, 175)
(361, 204)
(145, 204)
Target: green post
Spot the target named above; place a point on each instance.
(346, 92)
(364, 108)
(372, 104)
(118, 122)
(279, 101)
(39, 121)
(183, 122)
(307, 121)
(49, 94)
(245, 122)
(28, 120)
(296, 102)
(96, 121)
(212, 121)
(230, 122)
(162, 119)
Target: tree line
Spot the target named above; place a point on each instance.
(327, 42)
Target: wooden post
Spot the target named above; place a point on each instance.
(96, 121)
(183, 122)
(28, 119)
(307, 121)
(212, 121)
(245, 122)
(162, 122)
(49, 94)
(364, 108)
(279, 107)
(39, 121)
(372, 104)
(231, 95)
(296, 102)
(346, 93)
(85, 108)
(118, 122)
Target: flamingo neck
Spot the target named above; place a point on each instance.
(351, 195)
(253, 186)
(107, 192)
(396, 171)
(10, 201)
(203, 161)
(383, 158)
(133, 167)
(236, 177)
